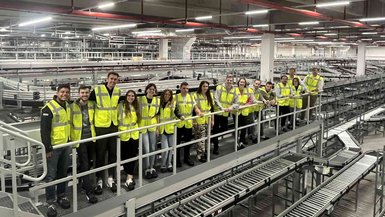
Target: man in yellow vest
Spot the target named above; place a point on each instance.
(269, 99)
(185, 105)
(283, 91)
(225, 99)
(314, 84)
(82, 127)
(106, 98)
(55, 130)
(258, 96)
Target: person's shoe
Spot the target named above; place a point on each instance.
(189, 162)
(163, 170)
(154, 174)
(99, 188)
(130, 184)
(178, 164)
(147, 174)
(202, 158)
(51, 211)
(111, 184)
(265, 138)
(169, 169)
(241, 146)
(215, 151)
(255, 141)
(91, 198)
(64, 202)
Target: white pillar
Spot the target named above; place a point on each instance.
(181, 48)
(361, 59)
(267, 57)
(293, 51)
(163, 49)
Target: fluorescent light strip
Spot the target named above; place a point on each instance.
(242, 37)
(330, 34)
(351, 36)
(261, 25)
(382, 36)
(308, 23)
(369, 33)
(106, 5)
(380, 41)
(256, 12)
(284, 38)
(184, 30)
(114, 27)
(331, 4)
(294, 41)
(204, 18)
(366, 39)
(35, 21)
(145, 32)
(372, 19)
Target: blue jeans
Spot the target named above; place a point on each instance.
(167, 141)
(57, 166)
(149, 145)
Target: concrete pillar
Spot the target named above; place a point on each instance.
(293, 51)
(181, 48)
(163, 49)
(361, 59)
(267, 57)
(1, 94)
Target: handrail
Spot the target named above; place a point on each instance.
(27, 177)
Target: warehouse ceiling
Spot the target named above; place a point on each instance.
(217, 19)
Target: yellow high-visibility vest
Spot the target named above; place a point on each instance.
(185, 109)
(298, 100)
(77, 120)
(226, 98)
(204, 106)
(61, 127)
(149, 112)
(290, 80)
(285, 92)
(106, 106)
(257, 94)
(312, 83)
(247, 92)
(127, 122)
(167, 114)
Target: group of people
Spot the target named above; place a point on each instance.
(104, 110)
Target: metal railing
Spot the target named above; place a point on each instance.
(119, 162)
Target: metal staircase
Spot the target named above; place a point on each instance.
(25, 206)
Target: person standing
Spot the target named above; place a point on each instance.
(283, 92)
(82, 127)
(314, 84)
(225, 99)
(106, 98)
(296, 101)
(55, 130)
(205, 104)
(149, 106)
(257, 96)
(128, 119)
(292, 75)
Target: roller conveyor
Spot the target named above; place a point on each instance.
(321, 198)
(227, 192)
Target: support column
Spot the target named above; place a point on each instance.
(361, 59)
(293, 51)
(267, 57)
(181, 48)
(163, 49)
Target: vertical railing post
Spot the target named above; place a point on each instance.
(74, 181)
(174, 150)
(14, 180)
(2, 175)
(236, 130)
(277, 121)
(208, 145)
(308, 109)
(118, 160)
(294, 112)
(35, 164)
(259, 126)
(140, 160)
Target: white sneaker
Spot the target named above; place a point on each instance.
(111, 184)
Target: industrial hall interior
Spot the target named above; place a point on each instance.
(192, 108)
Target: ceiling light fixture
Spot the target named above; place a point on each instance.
(3, 29)
(42, 35)
(146, 32)
(366, 39)
(242, 37)
(294, 41)
(308, 23)
(256, 12)
(372, 19)
(184, 30)
(330, 34)
(132, 25)
(45, 19)
(369, 33)
(351, 36)
(106, 5)
(261, 25)
(204, 18)
(331, 4)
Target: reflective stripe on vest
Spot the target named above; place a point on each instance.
(285, 92)
(127, 122)
(185, 109)
(243, 98)
(106, 107)
(77, 121)
(226, 98)
(204, 106)
(312, 83)
(149, 112)
(167, 114)
(298, 100)
(61, 128)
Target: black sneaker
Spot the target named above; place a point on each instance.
(178, 164)
(241, 146)
(169, 169)
(148, 175)
(111, 184)
(51, 211)
(202, 159)
(189, 162)
(91, 198)
(64, 202)
(216, 152)
(163, 170)
(130, 184)
(99, 188)
(154, 174)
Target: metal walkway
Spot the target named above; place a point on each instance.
(323, 197)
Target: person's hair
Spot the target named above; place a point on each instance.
(315, 68)
(83, 87)
(208, 94)
(135, 104)
(229, 76)
(269, 82)
(183, 84)
(296, 79)
(257, 80)
(291, 69)
(163, 102)
(283, 76)
(61, 86)
(240, 80)
(112, 73)
(149, 86)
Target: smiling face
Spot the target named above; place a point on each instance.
(112, 80)
(242, 83)
(63, 94)
(315, 71)
(84, 94)
(284, 79)
(291, 72)
(167, 96)
(268, 87)
(150, 91)
(205, 88)
(295, 82)
(257, 84)
(229, 81)
(130, 97)
(184, 89)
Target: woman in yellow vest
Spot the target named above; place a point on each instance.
(245, 97)
(128, 118)
(167, 113)
(296, 101)
(205, 103)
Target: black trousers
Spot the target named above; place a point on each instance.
(256, 116)
(103, 147)
(129, 149)
(243, 121)
(284, 110)
(86, 152)
(220, 125)
(183, 135)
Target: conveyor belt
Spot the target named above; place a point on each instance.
(317, 201)
(226, 193)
